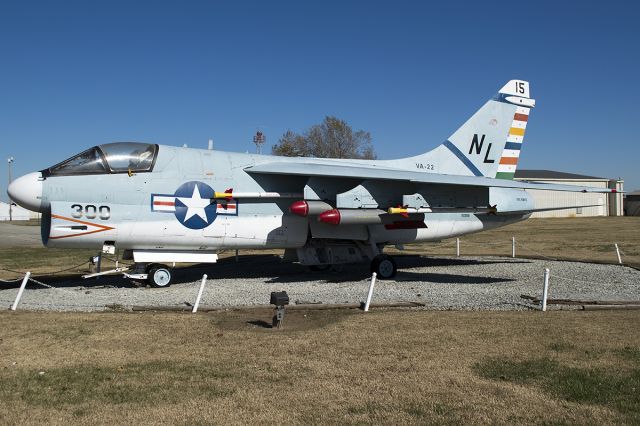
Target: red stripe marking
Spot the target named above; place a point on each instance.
(521, 117)
(509, 160)
(228, 206)
(164, 203)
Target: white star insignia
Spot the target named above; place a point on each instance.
(195, 205)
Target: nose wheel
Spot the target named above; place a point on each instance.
(384, 266)
(159, 276)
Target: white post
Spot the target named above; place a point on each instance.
(370, 294)
(22, 286)
(618, 253)
(195, 306)
(545, 290)
(513, 246)
(458, 247)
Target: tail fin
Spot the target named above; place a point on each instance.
(489, 143)
(517, 93)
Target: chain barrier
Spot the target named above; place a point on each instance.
(75, 294)
(519, 244)
(497, 243)
(48, 273)
(12, 271)
(319, 291)
(115, 260)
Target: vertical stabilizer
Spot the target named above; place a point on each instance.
(487, 144)
(517, 94)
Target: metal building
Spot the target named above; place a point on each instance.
(603, 204)
(17, 212)
(632, 204)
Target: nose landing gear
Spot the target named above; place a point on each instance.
(384, 266)
(159, 276)
(155, 274)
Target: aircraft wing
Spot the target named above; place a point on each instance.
(375, 172)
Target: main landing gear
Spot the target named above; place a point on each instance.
(322, 255)
(384, 266)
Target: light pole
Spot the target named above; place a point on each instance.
(259, 139)
(10, 161)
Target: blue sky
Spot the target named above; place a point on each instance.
(78, 74)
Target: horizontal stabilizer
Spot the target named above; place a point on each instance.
(547, 209)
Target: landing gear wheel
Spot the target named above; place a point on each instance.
(159, 276)
(384, 266)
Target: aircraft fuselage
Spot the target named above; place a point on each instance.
(160, 210)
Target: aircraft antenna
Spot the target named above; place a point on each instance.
(259, 139)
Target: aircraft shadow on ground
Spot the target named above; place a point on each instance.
(273, 270)
(76, 281)
(411, 277)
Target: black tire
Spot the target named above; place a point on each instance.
(319, 268)
(384, 266)
(159, 276)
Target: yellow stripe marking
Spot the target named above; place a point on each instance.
(396, 210)
(516, 131)
(223, 195)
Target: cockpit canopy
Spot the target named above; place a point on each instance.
(117, 157)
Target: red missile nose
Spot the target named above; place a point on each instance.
(300, 208)
(330, 216)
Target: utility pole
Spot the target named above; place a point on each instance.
(10, 162)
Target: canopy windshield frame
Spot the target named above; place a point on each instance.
(111, 158)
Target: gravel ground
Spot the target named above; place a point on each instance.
(465, 283)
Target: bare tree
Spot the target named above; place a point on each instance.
(333, 138)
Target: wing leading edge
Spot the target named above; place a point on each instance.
(375, 172)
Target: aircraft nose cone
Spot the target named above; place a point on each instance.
(26, 191)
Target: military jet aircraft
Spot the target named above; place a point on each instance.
(160, 205)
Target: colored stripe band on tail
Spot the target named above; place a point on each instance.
(509, 160)
(504, 175)
(513, 145)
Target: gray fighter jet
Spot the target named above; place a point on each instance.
(160, 205)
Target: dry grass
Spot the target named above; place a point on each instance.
(41, 260)
(32, 222)
(583, 239)
(412, 367)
